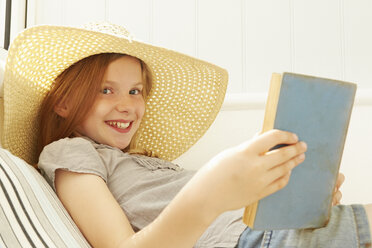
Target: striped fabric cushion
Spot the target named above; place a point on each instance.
(30, 213)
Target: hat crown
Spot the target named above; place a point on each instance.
(108, 28)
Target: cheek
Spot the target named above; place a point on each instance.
(141, 109)
(101, 108)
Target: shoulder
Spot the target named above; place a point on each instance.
(71, 154)
(68, 147)
(75, 142)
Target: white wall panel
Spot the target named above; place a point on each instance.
(174, 25)
(251, 39)
(356, 161)
(136, 16)
(358, 42)
(267, 42)
(220, 37)
(17, 18)
(82, 11)
(66, 12)
(317, 38)
(46, 12)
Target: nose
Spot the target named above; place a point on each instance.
(124, 104)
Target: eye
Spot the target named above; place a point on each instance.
(106, 91)
(135, 92)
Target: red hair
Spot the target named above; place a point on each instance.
(78, 85)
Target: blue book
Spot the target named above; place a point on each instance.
(318, 110)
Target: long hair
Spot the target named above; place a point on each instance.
(78, 85)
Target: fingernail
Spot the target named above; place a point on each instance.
(303, 144)
(295, 137)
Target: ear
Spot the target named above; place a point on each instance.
(62, 110)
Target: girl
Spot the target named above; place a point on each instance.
(108, 105)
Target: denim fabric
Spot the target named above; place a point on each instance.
(348, 227)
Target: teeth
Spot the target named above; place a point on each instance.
(121, 125)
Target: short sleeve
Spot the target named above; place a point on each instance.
(72, 154)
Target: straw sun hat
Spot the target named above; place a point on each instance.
(186, 96)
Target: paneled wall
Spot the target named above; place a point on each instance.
(249, 38)
(252, 39)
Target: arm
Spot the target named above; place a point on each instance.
(232, 180)
(102, 221)
(93, 208)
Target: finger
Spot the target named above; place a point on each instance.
(276, 185)
(340, 180)
(283, 169)
(281, 155)
(271, 138)
(337, 198)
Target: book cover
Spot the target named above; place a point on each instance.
(318, 110)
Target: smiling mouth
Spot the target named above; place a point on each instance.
(120, 125)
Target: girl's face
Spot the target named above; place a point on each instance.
(119, 107)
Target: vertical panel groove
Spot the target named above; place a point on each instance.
(244, 83)
(26, 7)
(342, 38)
(106, 10)
(292, 31)
(196, 31)
(8, 14)
(62, 12)
(30, 19)
(151, 24)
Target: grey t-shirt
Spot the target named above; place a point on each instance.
(143, 186)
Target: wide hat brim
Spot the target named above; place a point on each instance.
(186, 96)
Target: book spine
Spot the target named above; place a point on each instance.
(272, 102)
(268, 124)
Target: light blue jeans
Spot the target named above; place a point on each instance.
(348, 227)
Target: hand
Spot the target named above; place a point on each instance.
(245, 174)
(337, 193)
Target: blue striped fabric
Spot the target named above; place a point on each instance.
(30, 213)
